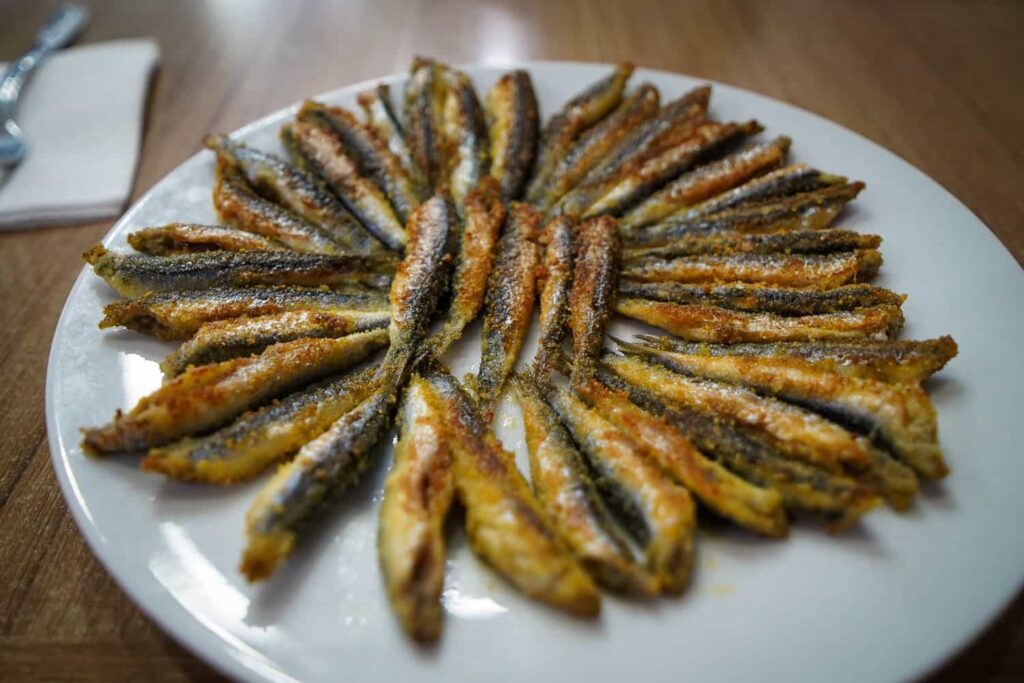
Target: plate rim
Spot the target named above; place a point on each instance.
(233, 660)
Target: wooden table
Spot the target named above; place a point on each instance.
(938, 83)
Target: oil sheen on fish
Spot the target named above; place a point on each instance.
(707, 323)
(554, 283)
(506, 525)
(786, 270)
(424, 116)
(373, 156)
(188, 238)
(592, 297)
(801, 434)
(735, 242)
(783, 182)
(638, 181)
(752, 507)
(134, 275)
(239, 205)
(814, 210)
(754, 298)
(485, 214)
(418, 492)
(598, 141)
(467, 147)
(660, 514)
(419, 281)
(840, 500)
(178, 315)
(564, 128)
(298, 191)
(262, 437)
(888, 360)
(510, 108)
(299, 490)
(508, 303)
(236, 337)
(673, 124)
(707, 181)
(563, 486)
(382, 118)
(899, 417)
(206, 397)
(316, 146)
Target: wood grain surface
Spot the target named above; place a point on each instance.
(939, 83)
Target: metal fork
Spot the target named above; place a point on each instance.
(62, 27)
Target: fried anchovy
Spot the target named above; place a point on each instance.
(563, 486)
(512, 120)
(298, 191)
(316, 145)
(790, 242)
(508, 303)
(419, 281)
(888, 360)
(417, 495)
(178, 315)
(134, 275)
(241, 207)
(592, 297)
(672, 125)
(206, 397)
(802, 434)
(707, 181)
(554, 282)
(382, 118)
(806, 211)
(321, 470)
(759, 298)
(898, 417)
(706, 323)
(372, 155)
(784, 182)
(236, 337)
(259, 438)
(660, 514)
(467, 153)
(754, 508)
(188, 238)
(638, 181)
(424, 116)
(506, 525)
(839, 499)
(485, 214)
(787, 270)
(564, 128)
(596, 142)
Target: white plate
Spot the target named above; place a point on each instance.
(888, 601)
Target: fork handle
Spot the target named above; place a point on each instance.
(60, 29)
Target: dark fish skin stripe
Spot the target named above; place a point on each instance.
(779, 300)
(795, 242)
(513, 120)
(806, 211)
(889, 360)
(592, 297)
(135, 274)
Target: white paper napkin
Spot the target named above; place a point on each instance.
(82, 113)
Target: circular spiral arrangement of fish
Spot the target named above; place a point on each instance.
(779, 390)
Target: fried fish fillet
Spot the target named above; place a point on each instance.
(206, 397)
(506, 525)
(418, 492)
(592, 297)
(261, 437)
(554, 283)
(513, 125)
(735, 242)
(188, 238)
